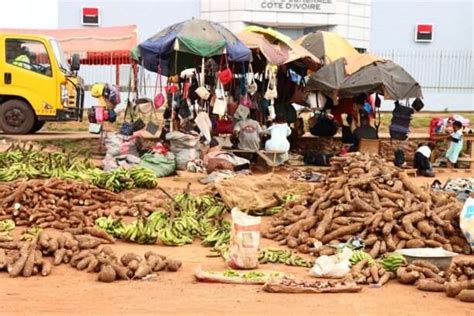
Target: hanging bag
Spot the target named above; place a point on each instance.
(271, 93)
(224, 125)
(151, 126)
(252, 86)
(202, 92)
(220, 104)
(159, 99)
(225, 74)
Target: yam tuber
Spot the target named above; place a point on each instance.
(466, 296)
(430, 285)
(107, 274)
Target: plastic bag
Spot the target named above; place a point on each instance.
(466, 221)
(244, 241)
(162, 164)
(335, 266)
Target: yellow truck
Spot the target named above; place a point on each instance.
(37, 84)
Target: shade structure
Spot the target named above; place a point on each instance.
(357, 61)
(91, 43)
(384, 77)
(277, 48)
(176, 47)
(328, 79)
(327, 46)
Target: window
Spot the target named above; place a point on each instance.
(30, 55)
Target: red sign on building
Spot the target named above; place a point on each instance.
(424, 33)
(90, 16)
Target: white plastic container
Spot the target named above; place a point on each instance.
(466, 221)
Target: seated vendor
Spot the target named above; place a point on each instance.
(248, 132)
(278, 141)
(422, 160)
(364, 131)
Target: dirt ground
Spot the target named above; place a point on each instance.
(68, 291)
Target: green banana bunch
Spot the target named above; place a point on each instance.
(282, 256)
(218, 236)
(7, 225)
(31, 233)
(359, 255)
(275, 209)
(143, 177)
(392, 261)
(116, 180)
(22, 162)
(113, 227)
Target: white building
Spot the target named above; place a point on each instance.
(350, 18)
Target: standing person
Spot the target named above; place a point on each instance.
(248, 132)
(278, 141)
(455, 144)
(422, 160)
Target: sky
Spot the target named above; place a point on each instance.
(41, 14)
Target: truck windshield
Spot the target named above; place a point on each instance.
(58, 53)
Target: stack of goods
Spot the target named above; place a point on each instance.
(367, 198)
(457, 281)
(365, 270)
(57, 203)
(184, 220)
(83, 251)
(25, 163)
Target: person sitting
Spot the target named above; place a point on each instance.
(422, 160)
(364, 131)
(278, 141)
(248, 132)
(455, 144)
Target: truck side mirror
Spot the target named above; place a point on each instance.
(75, 62)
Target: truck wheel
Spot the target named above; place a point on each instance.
(16, 117)
(37, 126)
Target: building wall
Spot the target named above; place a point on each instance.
(149, 15)
(444, 67)
(350, 18)
(394, 22)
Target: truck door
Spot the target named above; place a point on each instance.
(30, 72)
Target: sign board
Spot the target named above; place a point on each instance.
(424, 32)
(289, 6)
(90, 16)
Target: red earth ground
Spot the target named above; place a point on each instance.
(72, 292)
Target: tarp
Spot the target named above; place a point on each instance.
(277, 48)
(88, 39)
(384, 77)
(327, 46)
(328, 79)
(192, 37)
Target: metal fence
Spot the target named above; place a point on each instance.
(440, 71)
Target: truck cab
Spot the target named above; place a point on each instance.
(37, 84)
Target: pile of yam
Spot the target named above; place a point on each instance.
(29, 257)
(83, 249)
(458, 281)
(61, 203)
(366, 197)
(365, 272)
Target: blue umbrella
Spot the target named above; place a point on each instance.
(177, 46)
